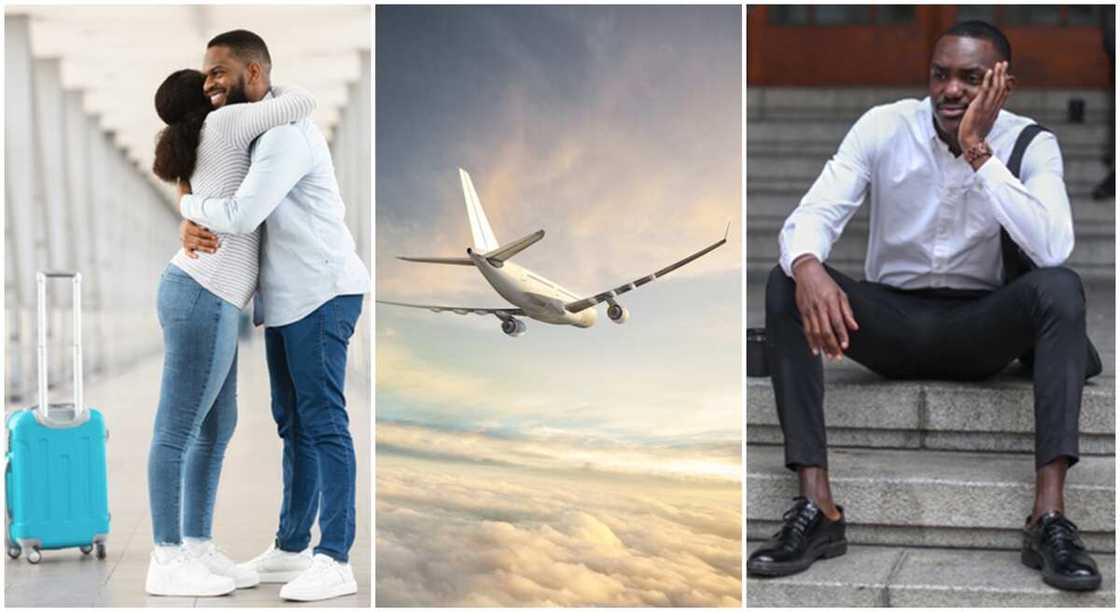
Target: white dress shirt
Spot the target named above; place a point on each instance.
(934, 220)
(307, 253)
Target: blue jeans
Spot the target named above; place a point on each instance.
(307, 370)
(197, 407)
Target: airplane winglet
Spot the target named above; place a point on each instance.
(725, 232)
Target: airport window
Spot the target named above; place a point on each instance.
(842, 15)
(894, 15)
(832, 15)
(1033, 15)
(790, 15)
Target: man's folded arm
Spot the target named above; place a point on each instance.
(817, 222)
(281, 158)
(1035, 211)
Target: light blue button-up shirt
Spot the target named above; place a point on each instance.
(307, 253)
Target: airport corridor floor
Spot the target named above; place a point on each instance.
(246, 509)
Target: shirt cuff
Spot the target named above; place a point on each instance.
(790, 255)
(185, 205)
(994, 172)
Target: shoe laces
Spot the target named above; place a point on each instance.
(796, 521)
(213, 552)
(322, 563)
(1060, 533)
(177, 557)
(321, 570)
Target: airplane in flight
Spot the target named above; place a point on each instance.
(531, 294)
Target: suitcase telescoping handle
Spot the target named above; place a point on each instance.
(41, 279)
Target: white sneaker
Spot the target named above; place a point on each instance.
(275, 565)
(174, 573)
(326, 578)
(213, 558)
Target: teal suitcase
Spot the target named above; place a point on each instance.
(56, 477)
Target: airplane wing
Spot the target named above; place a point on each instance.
(586, 303)
(501, 313)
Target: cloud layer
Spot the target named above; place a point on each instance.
(457, 528)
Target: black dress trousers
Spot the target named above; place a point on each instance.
(946, 334)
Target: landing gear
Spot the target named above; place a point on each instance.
(34, 556)
(100, 550)
(87, 549)
(14, 551)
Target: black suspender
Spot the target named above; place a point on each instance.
(1015, 261)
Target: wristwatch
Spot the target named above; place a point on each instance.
(977, 151)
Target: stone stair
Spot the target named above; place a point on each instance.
(936, 477)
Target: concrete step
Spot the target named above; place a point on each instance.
(1094, 250)
(818, 151)
(806, 169)
(758, 267)
(823, 135)
(762, 205)
(951, 498)
(795, 187)
(864, 410)
(1046, 105)
(924, 577)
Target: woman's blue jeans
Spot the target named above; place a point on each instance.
(197, 407)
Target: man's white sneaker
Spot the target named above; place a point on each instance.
(326, 578)
(174, 573)
(213, 558)
(275, 565)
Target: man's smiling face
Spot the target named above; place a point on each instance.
(956, 71)
(225, 77)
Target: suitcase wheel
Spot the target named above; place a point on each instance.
(14, 551)
(34, 556)
(100, 550)
(87, 549)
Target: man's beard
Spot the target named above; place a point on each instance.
(236, 93)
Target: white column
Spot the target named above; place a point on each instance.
(23, 202)
(50, 146)
(78, 181)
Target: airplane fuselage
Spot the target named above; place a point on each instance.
(540, 298)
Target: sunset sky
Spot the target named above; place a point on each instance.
(567, 466)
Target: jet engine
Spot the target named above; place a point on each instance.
(513, 327)
(617, 313)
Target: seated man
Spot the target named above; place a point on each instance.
(936, 302)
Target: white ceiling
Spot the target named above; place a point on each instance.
(119, 55)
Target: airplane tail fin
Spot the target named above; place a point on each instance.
(484, 240)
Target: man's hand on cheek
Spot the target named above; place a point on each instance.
(984, 109)
(194, 238)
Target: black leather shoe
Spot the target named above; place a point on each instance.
(1053, 545)
(806, 536)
